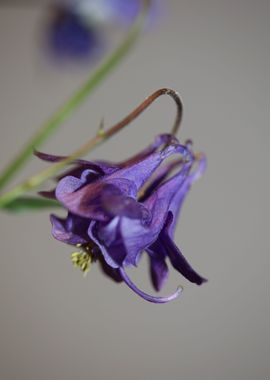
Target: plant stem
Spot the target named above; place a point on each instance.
(36, 180)
(77, 99)
(26, 203)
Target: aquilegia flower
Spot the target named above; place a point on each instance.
(118, 211)
(68, 35)
(76, 28)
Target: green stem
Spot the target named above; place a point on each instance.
(80, 95)
(36, 180)
(28, 203)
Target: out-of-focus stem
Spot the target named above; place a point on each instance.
(50, 126)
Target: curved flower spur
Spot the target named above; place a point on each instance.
(117, 211)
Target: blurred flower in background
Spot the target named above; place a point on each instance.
(69, 36)
(78, 29)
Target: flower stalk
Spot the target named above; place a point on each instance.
(38, 179)
(51, 125)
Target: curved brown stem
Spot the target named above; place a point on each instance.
(145, 104)
(36, 180)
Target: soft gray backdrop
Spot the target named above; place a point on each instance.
(54, 324)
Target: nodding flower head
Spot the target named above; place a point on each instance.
(118, 211)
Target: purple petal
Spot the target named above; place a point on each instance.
(103, 236)
(70, 230)
(159, 272)
(76, 178)
(161, 174)
(88, 200)
(176, 204)
(146, 296)
(198, 172)
(67, 186)
(177, 259)
(138, 237)
(48, 194)
(107, 233)
(55, 158)
(178, 199)
(159, 141)
(141, 171)
(82, 163)
(106, 167)
(77, 172)
(108, 238)
(158, 267)
(117, 204)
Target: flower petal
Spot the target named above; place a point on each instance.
(50, 194)
(117, 204)
(146, 296)
(103, 236)
(178, 199)
(98, 166)
(159, 272)
(137, 236)
(88, 200)
(159, 141)
(141, 171)
(161, 174)
(176, 257)
(70, 230)
(158, 267)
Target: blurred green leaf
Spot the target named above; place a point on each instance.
(24, 204)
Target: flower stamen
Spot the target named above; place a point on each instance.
(83, 258)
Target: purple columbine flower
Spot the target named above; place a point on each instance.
(118, 211)
(70, 36)
(76, 28)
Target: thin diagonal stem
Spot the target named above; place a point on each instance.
(36, 180)
(50, 126)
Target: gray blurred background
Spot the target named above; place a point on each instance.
(55, 324)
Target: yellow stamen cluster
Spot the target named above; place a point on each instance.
(82, 259)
